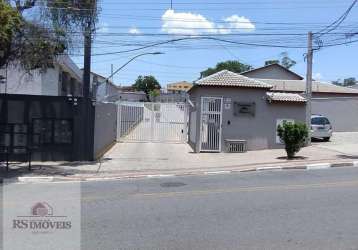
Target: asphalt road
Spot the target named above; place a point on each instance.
(267, 210)
(315, 209)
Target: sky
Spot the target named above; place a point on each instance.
(131, 24)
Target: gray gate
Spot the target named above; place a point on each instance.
(152, 122)
(210, 124)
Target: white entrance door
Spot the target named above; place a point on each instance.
(210, 124)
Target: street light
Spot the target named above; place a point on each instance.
(115, 72)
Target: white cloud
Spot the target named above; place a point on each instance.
(239, 23)
(134, 30)
(187, 23)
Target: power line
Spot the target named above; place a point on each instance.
(220, 40)
(336, 23)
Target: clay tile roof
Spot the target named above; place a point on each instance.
(285, 97)
(300, 86)
(230, 79)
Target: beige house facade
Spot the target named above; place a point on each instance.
(231, 109)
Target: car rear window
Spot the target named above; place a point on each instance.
(319, 121)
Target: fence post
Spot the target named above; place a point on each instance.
(119, 121)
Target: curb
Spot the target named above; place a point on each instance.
(318, 166)
(315, 166)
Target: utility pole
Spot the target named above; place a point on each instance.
(87, 120)
(309, 86)
(87, 62)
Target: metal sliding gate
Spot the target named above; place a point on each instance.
(152, 122)
(210, 127)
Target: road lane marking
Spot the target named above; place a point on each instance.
(252, 189)
(342, 184)
(269, 168)
(218, 172)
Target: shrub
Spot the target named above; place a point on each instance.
(294, 136)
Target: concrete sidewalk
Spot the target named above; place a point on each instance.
(344, 142)
(137, 159)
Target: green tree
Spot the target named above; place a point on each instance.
(147, 84)
(284, 60)
(234, 66)
(294, 136)
(35, 44)
(10, 23)
(346, 82)
(269, 62)
(349, 81)
(337, 82)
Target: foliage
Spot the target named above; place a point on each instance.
(285, 61)
(269, 62)
(294, 136)
(234, 66)
(34, 43)
(147, 84)
(10, 23)
(346, 82)
(154, 93)
(36, 47)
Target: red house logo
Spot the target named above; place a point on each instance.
(41, 209)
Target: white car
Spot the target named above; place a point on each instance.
(321, 127)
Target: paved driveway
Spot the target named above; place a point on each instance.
(343, 142)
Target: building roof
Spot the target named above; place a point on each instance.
(271, 66)
(300, 86)
(284, 97)
(179, 83)
(227, 78)
(69, 66)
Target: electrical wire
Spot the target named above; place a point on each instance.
(336, 23)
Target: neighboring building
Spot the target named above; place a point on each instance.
(272, 71)
(133, 96)
(101, 88)
(339, 104)
(179, 86)
(63, 79)
(171, 96)
(318, 88)
(110, 92)
(231, 111)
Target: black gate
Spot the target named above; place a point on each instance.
(48, 128)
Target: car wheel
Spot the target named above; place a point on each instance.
(326, 138)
